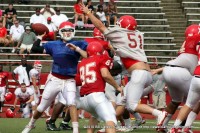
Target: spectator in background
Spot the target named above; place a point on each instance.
(103, 4)
(52, 30)
(10, 14)
(91, 8)
(58, 18)
(16, 31)
(26, 40)
(23, 72)
(3, 85)
(3, 35)
(0, 13)
(101, 15)
(78, 13)
(47, 11)
(111, 13)
(37, 17)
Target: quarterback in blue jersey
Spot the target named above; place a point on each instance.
(65, 54)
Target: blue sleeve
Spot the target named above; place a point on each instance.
(81, 44)
(48, 47)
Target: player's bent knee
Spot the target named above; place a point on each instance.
(33, 103)
(131, 107)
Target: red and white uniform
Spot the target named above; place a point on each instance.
(23, 98)
(22, 75)
(128, 45)
(3, 78)
(194, 92)
(178, 74)
(34, 73)
(92, 91)
(188, 59)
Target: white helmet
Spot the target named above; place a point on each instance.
(66, 27)
(38, 65)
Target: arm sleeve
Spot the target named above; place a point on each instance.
(49, 47)
(106, 62)
(82, 45)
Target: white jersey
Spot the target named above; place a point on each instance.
(22, 75)
(34, 73)
(127, 43)
(24, 95)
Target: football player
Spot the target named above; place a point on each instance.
(65, 53)
(34, 75)
(3, 85)
(128, 44)
(94, 72)
(178, 72)
(193, 96)
(26, 97)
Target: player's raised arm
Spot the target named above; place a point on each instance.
(97, 23)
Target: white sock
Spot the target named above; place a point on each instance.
(156, 112)
(177, 122)
(190, 119)
(137, 116)
(75, 127)
(167, 119)
(32, 121)
(82, 112)
(127, 122)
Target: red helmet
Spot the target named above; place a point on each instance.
(66, 27)
(127, 22)
(98, 34)
(38, 65)
(94, 48)
(8, 96)
(192, 30)
(9, 113)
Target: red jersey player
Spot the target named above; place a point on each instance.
(94, 73)
(3, 85)
(193, 96)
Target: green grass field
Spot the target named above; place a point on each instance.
(16, 125)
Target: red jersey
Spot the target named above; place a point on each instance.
(191, 43)
(3, 32)
(89, 70)
(77, 8)
(197, 69)
(3, 78)
(104, 43)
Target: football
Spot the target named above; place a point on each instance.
(39, 28)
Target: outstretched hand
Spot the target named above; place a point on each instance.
(84, 8)
(71, 46)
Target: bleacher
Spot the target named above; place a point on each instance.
(148, 13)
(191, 9)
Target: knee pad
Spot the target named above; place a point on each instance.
(26, 112)
(131, 107)
(33, 103)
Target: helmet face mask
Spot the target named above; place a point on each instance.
(38, 66)
(66, 31)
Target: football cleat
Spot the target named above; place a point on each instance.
(28, 128)
(65, 127)
(51, 126)
(160, 120)
(187, 130)
(138, 123)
